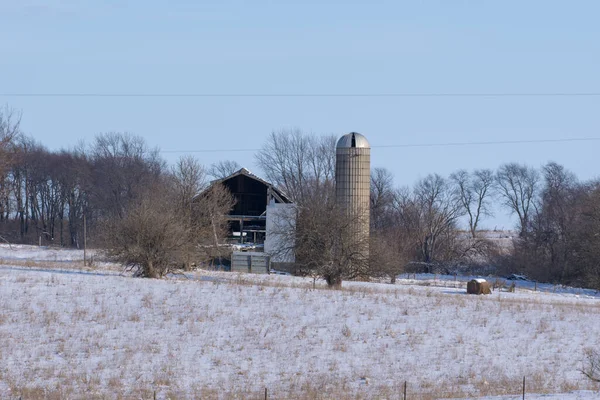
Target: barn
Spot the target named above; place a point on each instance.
(247, 219)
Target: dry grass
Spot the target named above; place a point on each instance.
(74, 265)
(75, 336)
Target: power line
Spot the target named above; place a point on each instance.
(200, 95)
(208, 151)
(491, 142)
(446, 144)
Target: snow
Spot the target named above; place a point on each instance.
(577, 395)
(41, 253)
(79, 332)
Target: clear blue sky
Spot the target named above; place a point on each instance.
(313, 47)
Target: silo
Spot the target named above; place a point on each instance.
(352, 181)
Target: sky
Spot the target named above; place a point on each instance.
(264, 66)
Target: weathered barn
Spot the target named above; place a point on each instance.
(247, 219)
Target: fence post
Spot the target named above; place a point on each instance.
(266, 394)
(154, 395)
(523, 388)
(404, 390)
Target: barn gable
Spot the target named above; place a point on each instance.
(247, 218)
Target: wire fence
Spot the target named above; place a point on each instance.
(406, 392)
(516, 390)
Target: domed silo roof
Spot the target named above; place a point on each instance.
(352, 139)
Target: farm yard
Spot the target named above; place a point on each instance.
(70, 331)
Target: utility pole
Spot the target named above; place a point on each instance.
(84, 241)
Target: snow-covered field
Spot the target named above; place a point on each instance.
(75, 332)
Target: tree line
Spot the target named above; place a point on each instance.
(156, 217)
(148, 215)
(434, 225)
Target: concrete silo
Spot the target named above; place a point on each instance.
(352, 181)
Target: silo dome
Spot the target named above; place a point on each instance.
(351, 140)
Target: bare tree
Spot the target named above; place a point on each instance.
(46, 194)
(22, 174)
(555, 222)
(474, 191)
(591, 365)
(321, 161)
(326, 244)
(149, 237)
(389, 248)
(389, 253)
(561, 234)
(210, 210)
(428, 214)
(10, 130)
(222, 169)
(188, 178)
(322, 237)
(585, 246)
(382, 198)
(76, 190)
(439, 208)
(123, 166)
(518, 186)
(298, 163)
(153, 239)
(10, 133)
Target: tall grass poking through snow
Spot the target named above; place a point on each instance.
(87, 336)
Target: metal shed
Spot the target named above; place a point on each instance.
(250, 261)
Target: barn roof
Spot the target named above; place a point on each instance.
(277, 193)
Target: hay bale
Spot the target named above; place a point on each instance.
(478, 286)
(472, 287)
